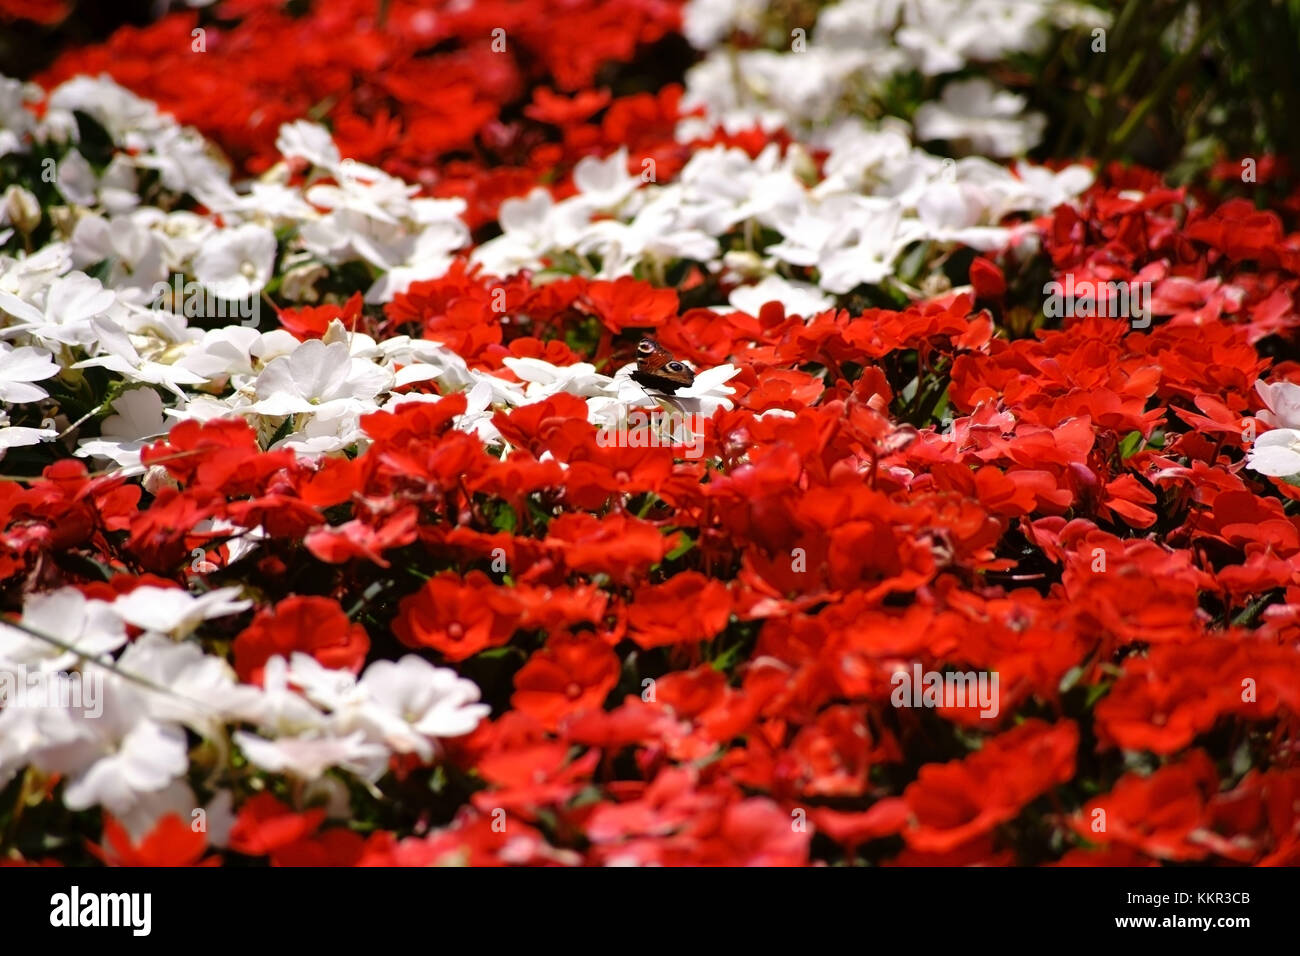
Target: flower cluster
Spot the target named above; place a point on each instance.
(341, 525)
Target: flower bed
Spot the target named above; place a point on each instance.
(577, 433)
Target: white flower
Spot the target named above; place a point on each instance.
(185, 164)
(1050, 189)
(276, 201)
(859, 23)
(951, 212)
(530, 227)
(993, 121)
(660, 231)
(197, 689)
(176, 612)
(409, 704)
(93, 628)
(113, 754)
(28, 276)
(114, 107)
(239, 541)
(545, 379)
(19, 207)
(429, 258)
(324, 433)
(118, 184)
(203, 408)
(309, 141)
(477, 417)
(183, 234)
(319, 378)
(799, 298)
(450, 370)
(1283, 401)
(850, 239)
(121, 357)
(128, 242)
(605, 183)
(225, 352)
(943, 36)
(367, 191)
(706, 22)
(720, 187)
(309, 757)
(16, 121)
(137, 420)
(147, 757)
(20, 436)
(237, 263)
(327, 687)
(176, 798)
(75, 179)
(280, 709)
(70, 303)
(24, 731)
(19, 368)
(858, 154)
(1276, 453)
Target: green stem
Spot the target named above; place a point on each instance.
(1166, 83)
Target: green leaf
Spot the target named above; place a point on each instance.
(913, 261)
(497, 653)
(438, 780)
(284, 431)
(685, 545)
(93, 141)
(1095, 693)
(1070, 679)
(728, 658)
(503, 518)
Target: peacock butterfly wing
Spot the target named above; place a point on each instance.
(656, 368)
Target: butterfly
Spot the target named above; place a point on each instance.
(656, 368)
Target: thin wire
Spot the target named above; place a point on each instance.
(107, 665)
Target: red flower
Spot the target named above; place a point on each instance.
(458, 618)
(626, 303)
(1159, 814)
(834, 754)
(571, 674)
(618, 545)
(358, 539)
(46, 12)
(264, 825)
(472, 840)
(171, 842)
(884, 818)
(987, 279)
(310, 322)
(310, 625)
(334, 847)
(956, 802)
(547, 107)
(687, 607)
